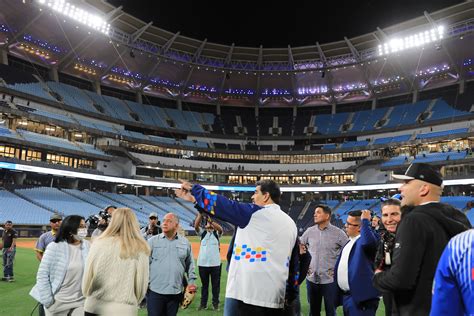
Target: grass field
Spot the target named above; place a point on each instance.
(15, 300)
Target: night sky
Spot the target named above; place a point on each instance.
(277, 24)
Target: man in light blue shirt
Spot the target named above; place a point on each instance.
(171, 257)
(209, 260)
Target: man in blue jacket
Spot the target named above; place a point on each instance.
(354, 268)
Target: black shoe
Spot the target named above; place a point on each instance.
(202, 307)
(215, 307)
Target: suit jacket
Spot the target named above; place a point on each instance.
(361, 266)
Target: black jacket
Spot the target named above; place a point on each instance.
(421, 238)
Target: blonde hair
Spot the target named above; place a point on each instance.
(124, 227)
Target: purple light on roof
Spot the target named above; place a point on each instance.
(4, 28)
(43, 44)
(127, 73)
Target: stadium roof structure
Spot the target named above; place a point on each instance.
(430, 51)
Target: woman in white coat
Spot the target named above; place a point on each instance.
(116, 276)
(59, 277)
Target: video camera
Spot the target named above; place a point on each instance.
(94, 221)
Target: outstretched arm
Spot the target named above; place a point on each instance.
(217, 205)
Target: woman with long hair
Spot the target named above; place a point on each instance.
(59, 277)
(116, 276)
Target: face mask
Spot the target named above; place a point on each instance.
(81, 234)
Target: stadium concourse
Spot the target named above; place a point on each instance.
(100, 108)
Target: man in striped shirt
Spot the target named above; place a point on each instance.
(453, 289)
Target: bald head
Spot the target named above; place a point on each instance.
(415, 192)
(170, 224)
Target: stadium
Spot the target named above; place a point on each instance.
(101, 108)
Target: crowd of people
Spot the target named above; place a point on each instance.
(418, 258)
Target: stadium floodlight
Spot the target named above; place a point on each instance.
(415, 40)
(67, 9)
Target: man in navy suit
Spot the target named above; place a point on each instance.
(354, 268)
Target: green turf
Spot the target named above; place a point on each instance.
(15, 300)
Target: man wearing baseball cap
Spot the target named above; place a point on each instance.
(153, 228)
(426, 227)
(46, 238)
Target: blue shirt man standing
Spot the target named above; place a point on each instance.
(170, 259)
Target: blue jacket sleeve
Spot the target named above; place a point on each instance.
(369, 239)
(222, 208)
(447, 299)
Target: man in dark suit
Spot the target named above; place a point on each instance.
(354, 268)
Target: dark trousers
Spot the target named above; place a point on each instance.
(294, 308)
(365, 309)
(214, 273)
(8, 258)
(316, 292)
(162, 304)
(41, 310)
(390, 309)
(247, 309)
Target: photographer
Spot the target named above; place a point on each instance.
(153, 228)
(391, 215)
(209, 260)
(100, 221)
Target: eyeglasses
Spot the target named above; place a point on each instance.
(153, 218)
(347, 223)
(55, 221)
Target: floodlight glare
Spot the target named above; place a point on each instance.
(65, 8)
(415, 40)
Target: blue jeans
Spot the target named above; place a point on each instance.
(162, 304)
(8, 258)
(316, 292)
(231, 307)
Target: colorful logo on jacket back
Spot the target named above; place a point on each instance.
(258, 254)
(209, 201)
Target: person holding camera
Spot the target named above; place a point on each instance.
(153, 228)
(391, 216)
(102, 221)
(209, 260)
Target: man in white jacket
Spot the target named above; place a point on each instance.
(264, 241)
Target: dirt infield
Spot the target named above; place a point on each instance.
(30, 244)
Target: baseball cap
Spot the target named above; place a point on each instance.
(153, 214)
(423, 172)
(56, 217)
